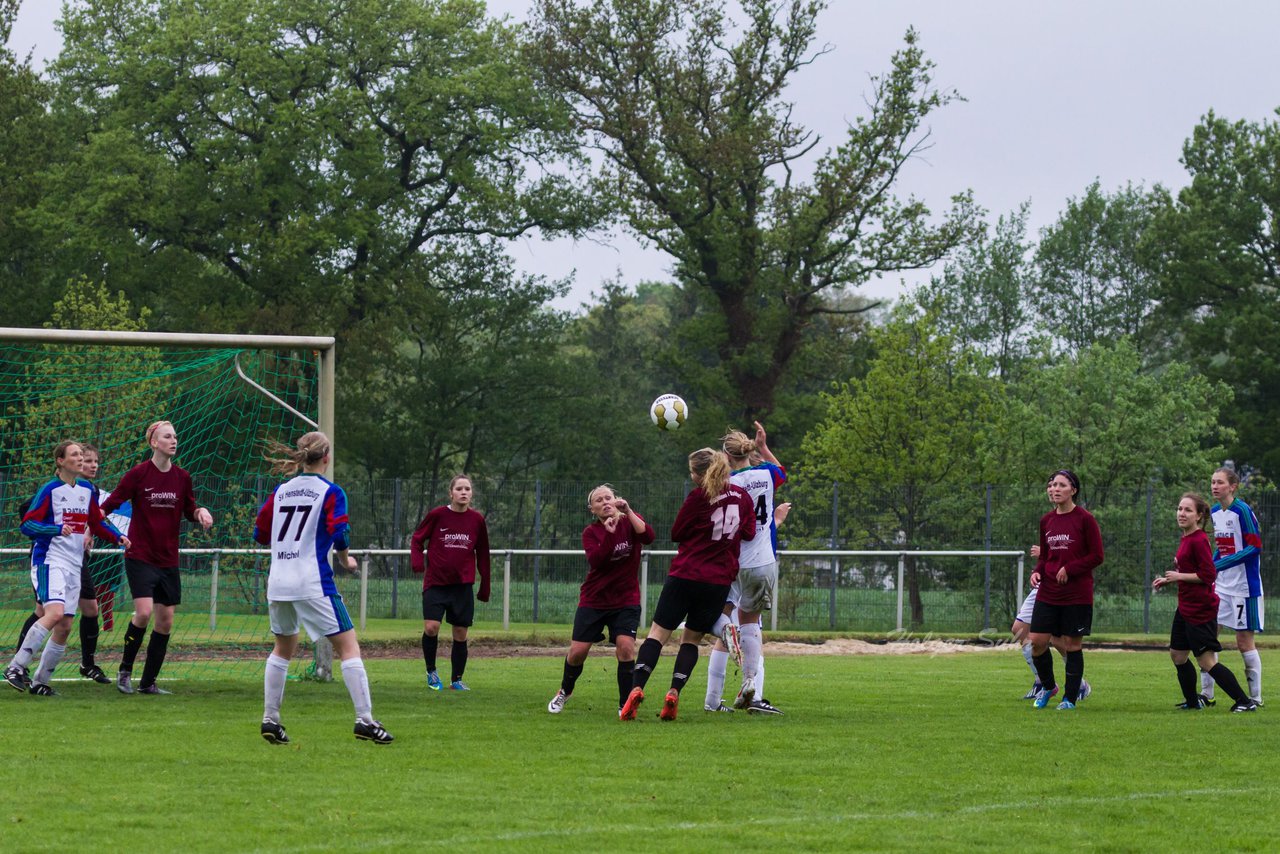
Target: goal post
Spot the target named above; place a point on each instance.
(226, 394)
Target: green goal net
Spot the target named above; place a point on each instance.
(224, 402)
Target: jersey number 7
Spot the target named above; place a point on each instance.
(302, 511)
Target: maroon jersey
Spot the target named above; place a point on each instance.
(1071, 540)
(160, 500)
(1198, 603)
(709, 533)
(613, 564)
(455, 544)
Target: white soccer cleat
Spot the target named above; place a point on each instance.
(557, 702)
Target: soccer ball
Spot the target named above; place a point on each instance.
(669, 411)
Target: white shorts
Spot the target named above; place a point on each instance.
(754, 588)
(55, 583)
(323, 616)
(1028, 605)
(1240, 613)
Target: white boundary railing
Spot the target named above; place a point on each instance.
(364, 556)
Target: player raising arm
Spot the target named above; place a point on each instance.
(610, 595)
(714, 518)
(57, 521)
(303, 520)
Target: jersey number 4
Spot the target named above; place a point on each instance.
(725, 521)
(289, 512)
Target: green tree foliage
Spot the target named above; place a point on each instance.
(702, 158)
(1093, 281)
(72, 393)
(981, 298)
(291, 165)
(1219, 247)
(905, 437)
(28, 144)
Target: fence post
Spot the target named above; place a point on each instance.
(537, 540)
(644, 586)
(364, 589)
(773, 612)
(506, 591)
(986, 572)
(1021, 563)
(397, 508)
(213, 592)
(833, 545)
(1146, 581)
(902, 574)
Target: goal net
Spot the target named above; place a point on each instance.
(225, 401)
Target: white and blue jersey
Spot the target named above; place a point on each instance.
(1238, 550)
(59, 504)
(301, 522)
(760, 482)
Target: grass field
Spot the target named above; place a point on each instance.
(877, 753)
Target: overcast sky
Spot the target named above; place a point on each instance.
(1058, 94)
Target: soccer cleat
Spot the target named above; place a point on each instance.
(745, 696)
(733, 641)
(1201, 702)
(458, 685)
(273, 732)
(763, 707)
(433, 681)
(1085, 690)
(1066, 706)
(1031, 695)
(373, 731)
(720, 707)
(42, 690)
(95, 673)
(153, 689)
(16, 676)
(1246, 706)
(669, 705)
(124, 682)
(556, 706)
(629, 708)
(1045, 695)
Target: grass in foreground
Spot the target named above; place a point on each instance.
(875, 753)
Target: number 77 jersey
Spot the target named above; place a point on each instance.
(301, 522)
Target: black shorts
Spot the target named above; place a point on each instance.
(161, 584)
(1061, 620)
(1197, 637)
(589, 623)
(455, 603)
(698, 603)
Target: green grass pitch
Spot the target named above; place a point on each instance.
(875, 753)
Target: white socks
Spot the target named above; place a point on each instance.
(1206, 684)
(30, 645)
(1026, 653)
(273, 682)
(52, 655)
(718, 628)
(1253, 673)
(717, 666)
(358, 687)
(751, 639)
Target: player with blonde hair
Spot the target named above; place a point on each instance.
(302, 522)
(162, 495)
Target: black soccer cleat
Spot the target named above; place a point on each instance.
(373, 731)
(1246, 706)
(42, 690)
(274, 733)
(1201, 702)
(17, 677)
(124, 682)
(763, 707)
(95, 673)
(153, 689)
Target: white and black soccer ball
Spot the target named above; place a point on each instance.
(669, 411)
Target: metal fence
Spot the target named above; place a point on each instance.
(828, 580)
